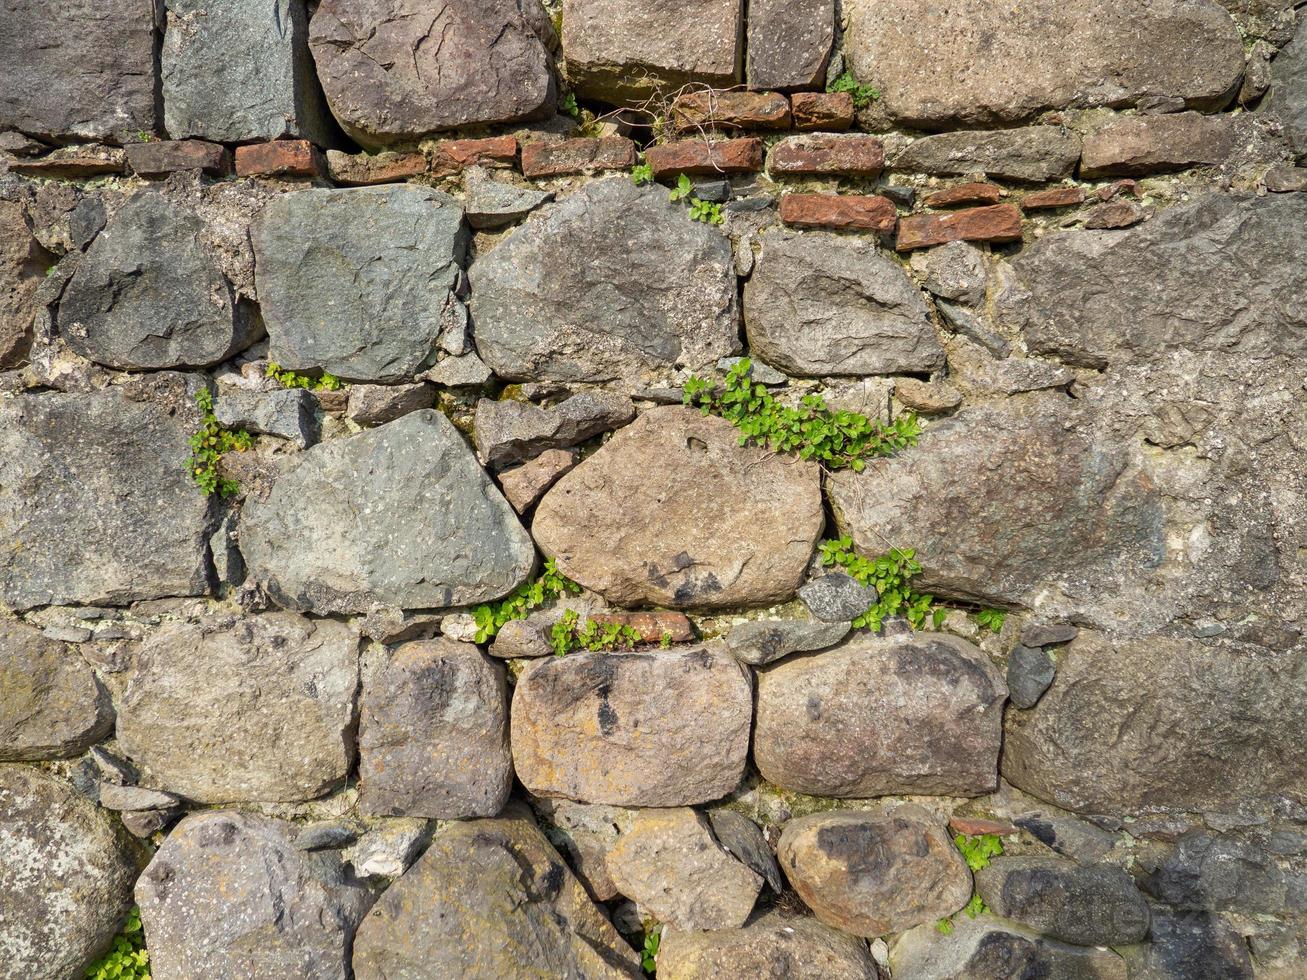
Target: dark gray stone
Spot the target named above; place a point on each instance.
(490, 203)
(955, 271)
(354, 281)
(1048, 634)
(1089, 906)
(1034, 154)
(742, 837)
(1029, 672)
(1287, 100)
(763, 641)
(379, 404)
(129, 798)
(836, 597)
(325, 837)
(1251, 872)
(984, 948)
(718, 191)
(1185, 945)
(509, 431)
(969, 325)
(790, 43)
(289, 413)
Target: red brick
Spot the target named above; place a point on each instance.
(999, 223)
(974, 193)
(159, 158)
(705, 158)
(451, 157)
(977, 826)
(843, 212)
(72, 162)
(834, 154)
(281, 158)
(731, 110)
(1054, 197)
(365, 169)
(651, 625)
(553, 158)
(822, 110)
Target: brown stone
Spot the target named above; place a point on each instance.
(652, 626)
(998, 223)
(524, 485)
(1117, 187)
(822, 110)
(974, 193)
(839, 154)
(159, 158)
(364, 169)
(450, 157)
(1156, 144)
(927, 398)
(977, 826)
(1285, 179)
(1054, 197)
(731, 110)
(702, 157)
(72, 162)
(281, 158)
(842, 212)
(554, 158)
(1115, 214)
(22, 271)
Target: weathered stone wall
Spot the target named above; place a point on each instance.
(324, 326)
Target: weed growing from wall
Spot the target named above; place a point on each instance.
(863, 95)
(570, 634)
(551, 584)
(210, 444)
(890, 574)
(290, 379)
(128, 959)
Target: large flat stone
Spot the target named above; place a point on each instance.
(400, 515)
(1031, 153)
(1095, 905)
(790, 43)
(984, 948)
(51, 704)
(1287, 100)
(1157, 144)
(772, 945)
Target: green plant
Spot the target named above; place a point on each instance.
(569, 106)
(569, 634)
(891, 575)
(665, 641)
(863, 95)
(945, 926)
(491, 616)
(977, 851)
(128, 959)
(991, 619)
(708, 212)
(642, 174)
(836, 439)
(683, 189)
(208, 446)
(290, 379)
(649, 954)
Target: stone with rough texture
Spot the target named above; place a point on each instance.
(712, 525)
(354, 281)
(984, 949)
(927, 397)
(1184, 945)
(78, 69)
(976, 63)
(490, 204)
(819, 305)
(626, 50)
(837, 597)
(583, 155)
(245, 709)
(379, 404)
(789, 43)
(827, 154)
(1096, 905)
(669, 863)
(490, 898)
(400, 515)
(997, 223)
(822, 110)
(1156, 144)
(744, 839)
(51, 704)
(1115, 215)
(433, 734)
(151, 294)
(451, 157)
(524, 485)
(1174, 284)
(1287, 100)
(66, 877)
(110, 475)
(773, 945)
(663, 728)
(366, 169)
(1048, 634)
(288, 413)
(1103, 739)
(240, 71)
(1252, 872)
(763, 641)
(509, 431)
(1286, 180)
(879, 715)
(287, 159)
(22, 270)
(840, 212)
(954, 272)
(1029, 672)
(1032, 153)
(397, 70)
(870, 873)
(159, 158)
(611, 283)
(584, 833)
(706, 157)
(229, 895)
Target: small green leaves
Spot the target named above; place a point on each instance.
(518, 604)
(665, 641)
(289, 379)
(863, 95)
(889, 574)
(649, 955)
(978, 850)
(705, 211)
(944, 926)
(975, 906)
(209, 445)
(991, 619)
(569, 634)
(569, 106)
(683, 189)
(641, 174)
(128, 958)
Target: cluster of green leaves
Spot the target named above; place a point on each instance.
(208, 447)
(836, 439)
(891, 574)
(570, 634)
(569, 106)
(289, 379)
(649, 954)
(128, 959)
(551, 584)
(700, 210)
(976, 851)
(991, 619)
(641, 174)
(863, 95)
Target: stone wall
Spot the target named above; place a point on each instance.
(373, 606)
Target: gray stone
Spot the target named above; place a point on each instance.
(113, 797)
(1184, 945)
(763, 641)
(66, 877)
(671, 866)
(1287, 100)
(969, 325)
(490, 898)
(146, 823)
(1173, 284)
(584, 833)
(955, 271)
(879, 715)
(259, 708)
(509, 431)
(325, 837)
(1252, 872)
(1029, 672)
(758, 371)
(612, 283)
(772, 945)
(150, 293)
(353, 281)
(490, 203)
(1089, 906)
(51, 704)
(22, 271)
(433, 734)
(742, 538)
(976, 63)
(790, 43)
(228, 895)
(379, 404)
(456, 372)
(524, 485)
(1134, 726)
(81, 69)
(395, 71)
(400, 516)
(741, 836)
(627, 50)
(1034, 154)
(288, 413)
(1048, 634)
(717, 191)
(870, 873)
(836, 597)
(1156, 144)
(1286, 180)
(390, 848)
(241, 71)
(985, 949)
(111, 768)
(662, 728)
(111, 481)
(822, 304)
